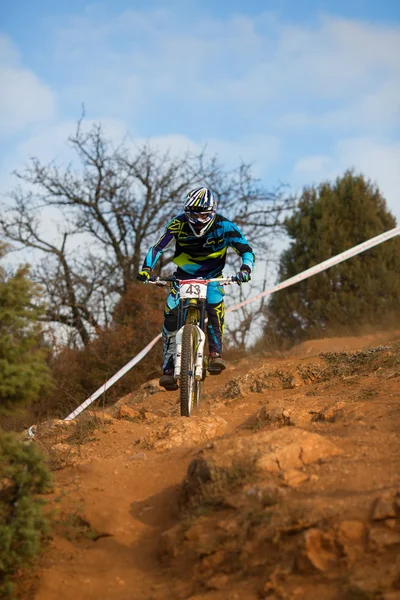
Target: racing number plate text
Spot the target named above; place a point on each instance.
(193, 290)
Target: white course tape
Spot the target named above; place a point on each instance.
(335, 260)
(113, 379)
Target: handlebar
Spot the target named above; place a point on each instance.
(165, 280)
(155, 279)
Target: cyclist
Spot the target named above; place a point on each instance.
(202, 237)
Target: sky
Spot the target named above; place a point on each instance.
(303, 90)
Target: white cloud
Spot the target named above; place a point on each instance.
(376, 110)
(24, 99)
(262, 151)
(176, 144)
(257, 71)
(323, 96)
(313, 164)
(339, 57)
(378, 160)
(50, 143)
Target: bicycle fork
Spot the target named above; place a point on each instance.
(198, 362)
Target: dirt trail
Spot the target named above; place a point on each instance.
(293, 490)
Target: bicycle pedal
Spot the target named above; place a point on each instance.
(171, 388)
(214, 370)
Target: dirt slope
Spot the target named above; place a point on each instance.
(285, 486)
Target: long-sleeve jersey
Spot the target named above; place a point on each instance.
(201, 256)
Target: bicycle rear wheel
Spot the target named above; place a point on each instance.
(190, 389)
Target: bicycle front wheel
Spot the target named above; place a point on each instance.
(190, 388)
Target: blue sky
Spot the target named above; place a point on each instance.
(303, 90)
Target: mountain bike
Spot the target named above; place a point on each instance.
(190, 363)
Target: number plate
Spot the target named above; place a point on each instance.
(193, 290)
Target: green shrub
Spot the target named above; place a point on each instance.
(23, 524)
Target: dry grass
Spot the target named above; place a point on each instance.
(208, 487)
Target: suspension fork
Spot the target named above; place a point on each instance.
(192, 307)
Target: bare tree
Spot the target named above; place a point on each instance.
(118, 203)
(248, 321)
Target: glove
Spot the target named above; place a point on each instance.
(144, 275)
(244, 275)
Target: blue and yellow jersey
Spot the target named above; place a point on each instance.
(201, 256)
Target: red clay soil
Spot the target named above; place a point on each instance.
(285, 485)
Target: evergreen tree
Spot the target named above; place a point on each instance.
(23, 370)
(365, 290)
(23, 524)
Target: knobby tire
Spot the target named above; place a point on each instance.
(190, 389)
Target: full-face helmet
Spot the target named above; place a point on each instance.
(200, 208)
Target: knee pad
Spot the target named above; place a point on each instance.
(171, 321)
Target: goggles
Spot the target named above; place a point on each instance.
(199, 217)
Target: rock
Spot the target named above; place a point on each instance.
(316, 447)
(63, 448)
(294, 477)
(380, 538)
(233, 389)
(288, 379)
(61, 455)
(139, 456)
(294, 448)
(146, 389)
(160, 413)
(275, 415)
(199, 471)
(169, 544)
(298, 417)
(139, 414)
(186, 432)
(267, 494)
(330, 413)
(213, 561)
(363, 588)
(273, 451)
(126, 412)
(105, 418)
(383, 508)
(229, 525)
(351, 536)
(268, 415)
(352, 531)
(55, 428)
(320, 549)
(218, 582)
(124, 400)
(201, 537)
(273, 587)
(149, 416)
(151, 387)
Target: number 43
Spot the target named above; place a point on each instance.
(193, 289)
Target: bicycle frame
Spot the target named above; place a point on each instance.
(195, 309)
